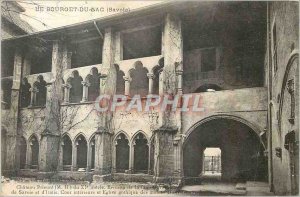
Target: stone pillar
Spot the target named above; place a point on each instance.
(50, 140)
(114, 155)
(60, 162)
(12, 151)
(127, 86)
(179, 81)
(85, 91)
(131, 157)
(89, 158)
(33, 91)
(161, 82)
(102, 148)
(167, 160)
(149, 156)
(74, 157)
(67, 88)
(150, 76)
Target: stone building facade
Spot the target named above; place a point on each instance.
(219, 52)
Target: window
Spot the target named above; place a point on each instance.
(86, 53)
(139, 80)
(94, 84)
(120, 86)
(76, 87)
(208, 60)
(274, 42)
(41, 91)
(142, 43)
(25, 93)
(212, 163)
(6, 85)
(7, 61)
(41, 59)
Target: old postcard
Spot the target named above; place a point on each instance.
(149, 98)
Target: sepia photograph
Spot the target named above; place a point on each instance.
(149, 98)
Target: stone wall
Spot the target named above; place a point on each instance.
(284, 16)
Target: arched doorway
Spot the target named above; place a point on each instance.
(242, 155)
(122, 153)
(81, 145)
(67, 153)
(23, 148)
(34, 144)
(141, 153)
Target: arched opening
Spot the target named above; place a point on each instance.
(141, 153)
(23, 148)
(156, 71)
(6, 85)
(25, 93)
(242, 157)
(34, 145)
(67, 153)
(208, 88)
(76, 87)
(212, 167)
(81, 145)
(41, 93)
(122, 153)
(93, 153)
(152, 151)
(120, 86)
(139, 81)
(94, 82)
(3, 148)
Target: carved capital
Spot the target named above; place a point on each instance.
(150, 75)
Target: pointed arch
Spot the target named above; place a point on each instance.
(120, 85)
(81, 151)
(122, 150)
(93, 80)
(140, 146)
(67, 147)
(76, 89)
(34, 151)
(23, 147)
(139, 80)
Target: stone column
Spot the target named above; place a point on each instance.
(150, 76)
(12, 162)
(89, 158)
(67, 88)
(60, 162)
(114, 155)
(161, 82)
(131, 157)
(149, 156)
(179, 81)
(127, 86)
(74, 157)
(166, 162)
(50, 140)
(102, 148)
(33, 91)
(85, 91)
